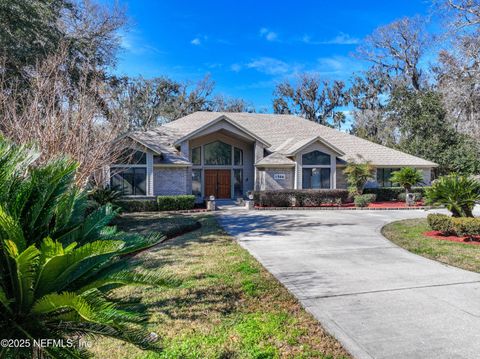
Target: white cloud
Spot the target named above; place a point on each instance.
(340, 66)
(268, 35)
(344, 39)
(269, 66)
(134, 43)
(332, 63)
(236, 67)
(196, 41)
(341, 39)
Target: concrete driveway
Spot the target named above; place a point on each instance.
(377, 299)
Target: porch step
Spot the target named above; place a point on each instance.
(226, 203)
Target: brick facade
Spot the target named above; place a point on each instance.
(171, 181)
(268, 181)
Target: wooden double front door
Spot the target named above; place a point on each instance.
(218, 183)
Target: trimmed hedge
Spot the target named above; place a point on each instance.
(440, 222)
(175, 203)
(364, 200)
(301, 198)
(161, 203)
(137, 205)
(392, 193)
(459, 226)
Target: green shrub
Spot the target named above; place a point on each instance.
(440, 222)
(175, 203)
(457, 193)
(459, 226)
(391, 193)
(357, 174)
(301, 198)
(102, 196)
(60, 263)
(466, 227)
(364, 200)
(137, 205)
(403, 196)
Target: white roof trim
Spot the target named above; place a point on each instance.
(321, 140)
(226, 119)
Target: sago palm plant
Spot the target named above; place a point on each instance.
(57, 264)
(457, 193)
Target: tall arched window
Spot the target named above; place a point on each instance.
(218, 154)
(316, 171)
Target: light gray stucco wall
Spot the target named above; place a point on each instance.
(268, 181)
(170, 181)
(258, 155)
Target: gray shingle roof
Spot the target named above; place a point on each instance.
(275, 159)
(161, 142)
(278, 129)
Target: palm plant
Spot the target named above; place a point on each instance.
(357, 176)
(101, 196)
(407, 177)
(58, 265)
(457, 193)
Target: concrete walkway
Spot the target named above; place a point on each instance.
(377, 299)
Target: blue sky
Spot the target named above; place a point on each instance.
(249, 46)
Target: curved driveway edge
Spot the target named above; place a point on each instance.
(377, 299)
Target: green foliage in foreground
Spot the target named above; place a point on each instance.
(58, 264)
(457, 193)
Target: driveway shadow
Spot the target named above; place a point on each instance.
(277, 225)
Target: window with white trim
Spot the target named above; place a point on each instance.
(316, 170)
(129, 173)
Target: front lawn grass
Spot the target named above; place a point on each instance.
(144, 223)
(226, 305)
(408, 234)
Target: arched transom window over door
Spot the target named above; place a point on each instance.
(316, 170)
(218, 154)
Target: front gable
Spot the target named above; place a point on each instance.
(223, 124)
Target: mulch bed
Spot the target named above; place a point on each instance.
(440, 236)
(393, 205)
(374, 205)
